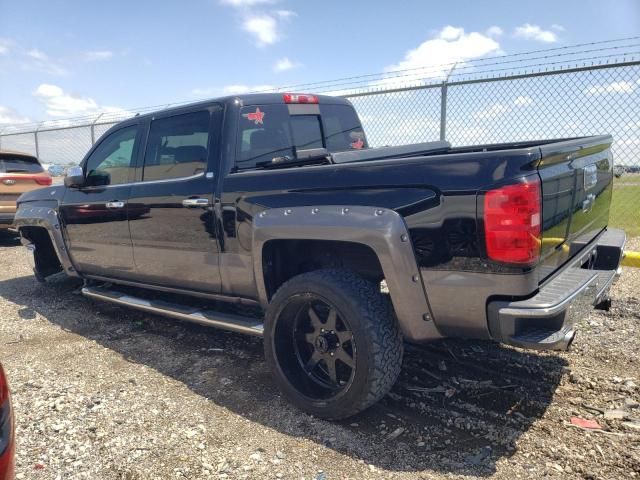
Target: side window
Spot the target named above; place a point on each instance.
(111, 162)
(263, 134)
(177, 147)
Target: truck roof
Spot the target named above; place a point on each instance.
(246, 99)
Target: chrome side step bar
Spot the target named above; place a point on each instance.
(226, 321)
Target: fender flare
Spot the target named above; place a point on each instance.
(46, 217)
(383, 230)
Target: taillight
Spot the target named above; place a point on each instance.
(299, 98)
(512, 217)
(43, 180)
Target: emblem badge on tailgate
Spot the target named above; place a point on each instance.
(590, 176)
(9, 181)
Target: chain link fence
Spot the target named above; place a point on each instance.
(569, 102)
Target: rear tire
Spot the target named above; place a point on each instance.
(332, 343)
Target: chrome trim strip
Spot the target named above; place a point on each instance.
(225, 321)
(150, 182)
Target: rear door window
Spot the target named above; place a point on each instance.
(18, 164)
(177, 146)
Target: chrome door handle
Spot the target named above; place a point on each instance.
(115, 204)
(195, 202)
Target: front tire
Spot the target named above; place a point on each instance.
(332, 343)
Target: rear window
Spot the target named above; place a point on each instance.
(177, 146)
(269, 131)
(17, 164)
(342, 128)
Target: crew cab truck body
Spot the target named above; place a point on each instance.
(276, 201)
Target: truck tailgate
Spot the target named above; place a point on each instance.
(577, 183)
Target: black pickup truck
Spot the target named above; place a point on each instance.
(276, 202)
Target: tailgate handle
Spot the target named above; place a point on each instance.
(115, 204)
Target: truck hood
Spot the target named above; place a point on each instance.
(55, 193)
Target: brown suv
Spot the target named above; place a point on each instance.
(19, 173)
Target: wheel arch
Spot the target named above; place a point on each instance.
(40, 222)
(378, 230)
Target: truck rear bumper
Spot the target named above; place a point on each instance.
(547, 321)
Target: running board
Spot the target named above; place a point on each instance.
(210, 318)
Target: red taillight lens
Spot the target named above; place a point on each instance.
(43, 180)
(512, 223)
(299, 98)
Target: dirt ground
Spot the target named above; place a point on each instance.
(102, 392)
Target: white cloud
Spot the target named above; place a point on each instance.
(8, 116)
(614, 87)
(37, 54)
(263, 27)
(523, 101)
(98, 55)
(535, 32)
(494, 31)
(59, 103)
(5, 43)
(284, 14)
(284, 64)
(557, 27)
(41, 61)
(435, 57)
(245, 3)
(493, 111)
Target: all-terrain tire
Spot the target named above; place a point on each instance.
(374, 330)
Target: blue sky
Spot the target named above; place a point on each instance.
(62, 59)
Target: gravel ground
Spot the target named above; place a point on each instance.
(103, 392)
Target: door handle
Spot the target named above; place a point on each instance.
(115, 204)
(195, 202)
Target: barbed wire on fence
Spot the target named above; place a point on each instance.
(483, 101)
(419, 75)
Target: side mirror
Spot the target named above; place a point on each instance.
(74, 177)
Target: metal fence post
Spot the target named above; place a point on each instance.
(443, 110)
(443, 104)
(93, 127)
(35, 137)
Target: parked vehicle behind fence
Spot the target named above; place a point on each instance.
(275, 201)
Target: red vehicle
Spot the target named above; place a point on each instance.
(7, 431)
